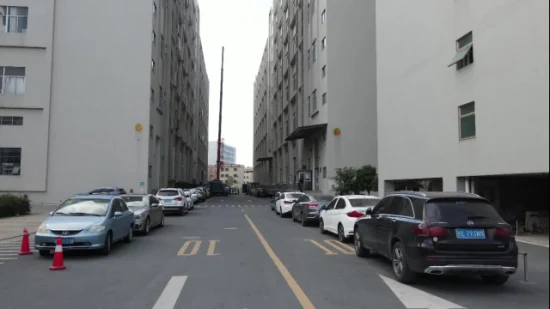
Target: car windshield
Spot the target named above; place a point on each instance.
(459, 210)
(363, 202)
(168, 193)
(83, 207)
(134, 201)
(292, 196)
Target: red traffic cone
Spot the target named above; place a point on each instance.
(25, 246)
(58, 263)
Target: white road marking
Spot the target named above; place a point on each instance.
(1, 263)
(415, 298)
(8, 258)
(531, 243)
(171, 293)
(230, 228)
(191, 237)
(250, 201)
(8, 254)
(239, 205)
(221, 200)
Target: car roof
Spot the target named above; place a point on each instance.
(134, 194)
(169, 189)
(357, 196)
(292, 192)
(95, 196)
(435, 195)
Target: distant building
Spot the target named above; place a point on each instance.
(235, 172)
(229, 153)
(248, 174)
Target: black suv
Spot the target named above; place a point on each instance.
(438, 233)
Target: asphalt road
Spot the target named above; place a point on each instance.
(235, 253)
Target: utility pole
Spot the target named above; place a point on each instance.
(219, 163)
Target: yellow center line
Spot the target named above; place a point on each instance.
(294, 286)
(339, 246)
(327, 250)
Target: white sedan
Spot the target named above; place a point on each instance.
(285, 201)
(339, 216)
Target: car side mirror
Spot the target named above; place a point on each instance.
(118, 214)
(369, 211)
(324, 207)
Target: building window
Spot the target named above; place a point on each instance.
(324, 17)
(324, 43)
(324, 98)
(324, 71)
(467, 122)
(10, 161)
(11, 121)
(314, 51)
(314, 102)
(12, 80)
(464, 52)
(14, 18)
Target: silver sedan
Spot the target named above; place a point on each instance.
(147, 211)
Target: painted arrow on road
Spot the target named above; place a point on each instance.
(413, 298)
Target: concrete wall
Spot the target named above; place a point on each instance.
(419, 96)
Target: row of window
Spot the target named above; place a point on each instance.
(11, 121)
(12, 80)
(14, 18)
(10, 161)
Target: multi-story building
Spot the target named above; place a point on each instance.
(315, 92)
(234, 173)
(459, 104)
(121, 102)
(228, 153)
(248, 174)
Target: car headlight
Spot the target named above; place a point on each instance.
(42, 229)
(138, 216)
(96, 228)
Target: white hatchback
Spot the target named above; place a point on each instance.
(339, 216)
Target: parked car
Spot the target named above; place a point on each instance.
(147, 211)
(306, 210)
(173, 200)
(194, 195)
(86, 222)
(339, 216)
(106, 191)
(439, 233)
(284, 201)
(188, 199)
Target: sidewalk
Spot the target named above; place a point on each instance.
(537, 240)
(13, 226)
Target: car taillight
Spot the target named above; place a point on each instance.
(427, 231)
(312, 205)
(289, 202)
(355, 214)
(503, 232)
(179, 199)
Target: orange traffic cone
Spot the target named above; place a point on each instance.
(25, 246)
(58, 256)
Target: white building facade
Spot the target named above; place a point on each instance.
(121, 102)
(315, 92)
(463, 95)
(228, 153)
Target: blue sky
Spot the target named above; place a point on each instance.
(242, 27)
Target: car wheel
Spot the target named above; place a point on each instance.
(161, 224)
(293, 217)
(130, 235)
(147, 226)
(322, 227)
(44, 253)
(341, 234)
(360, 250)
(401, 269)
(107, 245)
(495, 280)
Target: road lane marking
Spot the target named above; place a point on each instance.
(327, 250)
(212, 248)
(294, 286)
(230, 228)
(531, 243)
(187, 244)
(171, 293)
(7, 258)
(8, 254)
(414, 298)
(338, 246)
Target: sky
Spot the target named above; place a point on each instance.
(241, 26)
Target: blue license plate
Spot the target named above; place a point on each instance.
(470, 233)
(168, 201)
(67, 241)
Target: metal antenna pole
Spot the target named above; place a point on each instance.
(220, 121)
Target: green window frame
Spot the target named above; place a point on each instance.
(467, 121)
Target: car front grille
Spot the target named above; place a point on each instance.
(65, 232)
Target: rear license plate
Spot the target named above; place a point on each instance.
(67, 241)
(470, 233)
(168, 201)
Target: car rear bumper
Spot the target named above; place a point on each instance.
(173, 209)
(470, 268)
